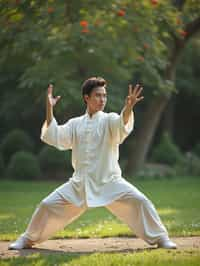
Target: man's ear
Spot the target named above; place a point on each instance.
(85, 97)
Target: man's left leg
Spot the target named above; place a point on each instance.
(138, 212)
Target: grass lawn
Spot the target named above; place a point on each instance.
(177, 201)
(145, 258)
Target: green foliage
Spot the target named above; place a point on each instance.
(125, 41)
(166, 151)
(188, 165)
(23, 165)
(155, 171)
(53, 161)
(2, 166)
(16, 140)
(196, 149)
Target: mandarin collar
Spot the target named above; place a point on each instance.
(94, 116)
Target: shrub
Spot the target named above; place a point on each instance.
(23, 165)
(196, 150)
(53, 161)
(1, 166)
(188, 166)
(166, 152)
(16, 140)
(155, 170)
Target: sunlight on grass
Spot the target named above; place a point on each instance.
(18, 200)
(142, 258)
(6, 216)
(167, 211)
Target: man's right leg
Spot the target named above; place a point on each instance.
(53, 214)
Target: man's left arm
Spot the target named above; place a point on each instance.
(131, 100)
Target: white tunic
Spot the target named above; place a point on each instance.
(94, 141)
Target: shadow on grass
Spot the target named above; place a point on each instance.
(43, 251)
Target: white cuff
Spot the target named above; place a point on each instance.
(46, 129)
(128, 127)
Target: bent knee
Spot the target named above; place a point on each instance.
(143, 200)
(45, 203)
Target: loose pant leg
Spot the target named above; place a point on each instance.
(52, 214)
(138, 212)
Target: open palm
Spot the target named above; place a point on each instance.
(52, 100)
(134, 95)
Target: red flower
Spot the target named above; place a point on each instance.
(146, 45)
(50, 10)
(83, 23)
(154, 2)
(183, 33)
(140, 58)
(17, 2)
(121, 13)
(85, 30)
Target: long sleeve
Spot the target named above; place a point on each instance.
(119, 131)
(59, 136)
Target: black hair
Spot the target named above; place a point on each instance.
(90, 84)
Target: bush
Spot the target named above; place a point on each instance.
(166, 152)
(188, 166)
(196, 150)
(155, 170)
(23, 165)
(16, 140)
(53, 161)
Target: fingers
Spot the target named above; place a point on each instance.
(57, 98)
(50, 89)
(140, 98)
(134, 91)
(139, 91)
(130, 89)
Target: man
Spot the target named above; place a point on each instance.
(94, 139)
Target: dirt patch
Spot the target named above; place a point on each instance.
(115, 244)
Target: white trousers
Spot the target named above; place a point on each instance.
(54, 212)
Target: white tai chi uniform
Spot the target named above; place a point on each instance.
(96, 181)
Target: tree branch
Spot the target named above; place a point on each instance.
(192, 28)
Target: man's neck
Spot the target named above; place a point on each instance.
(91, 112)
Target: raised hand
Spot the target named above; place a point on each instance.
(52, 100)
(133, 95)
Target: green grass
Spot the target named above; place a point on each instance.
(177, 201)
(145, 258)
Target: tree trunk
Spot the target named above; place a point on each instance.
(144, 136)
(167, 124)
(140, 145)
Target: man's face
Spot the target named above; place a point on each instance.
(96, 101)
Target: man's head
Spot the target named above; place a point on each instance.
(94, 93)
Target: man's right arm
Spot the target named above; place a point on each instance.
(50, 103)
(59, 136)
(49, 111)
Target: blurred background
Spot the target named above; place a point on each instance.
(154, 43)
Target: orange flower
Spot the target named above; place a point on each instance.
(84, 23)
(85, 30)
(179, 21)
(146, 45)
(154, 2)
(121, 13)
(50, 10)
(140, 58)
(183, 33)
